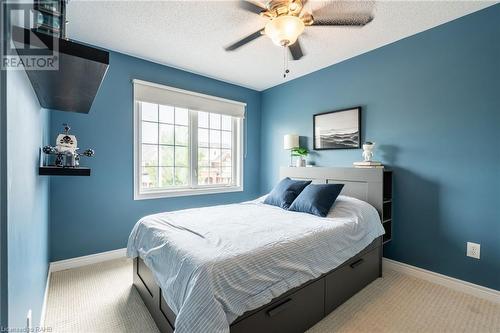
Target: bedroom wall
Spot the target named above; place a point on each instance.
(96, 213)
(27, 202)
(431, 103)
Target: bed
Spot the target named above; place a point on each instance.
(251, 267)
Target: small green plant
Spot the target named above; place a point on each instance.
(300, 151)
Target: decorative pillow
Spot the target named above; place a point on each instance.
(285, 192)
(317, 199)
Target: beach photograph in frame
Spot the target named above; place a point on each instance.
(340, 129)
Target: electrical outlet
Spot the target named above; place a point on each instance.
(473, 250)
(29, 327)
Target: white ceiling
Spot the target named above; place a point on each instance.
(191, 34)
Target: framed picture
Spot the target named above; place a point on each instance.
(339, 129)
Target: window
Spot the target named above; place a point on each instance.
(185, 143)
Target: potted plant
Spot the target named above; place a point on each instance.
(301, 153)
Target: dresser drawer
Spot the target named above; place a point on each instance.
(293, 313)
(351, 278)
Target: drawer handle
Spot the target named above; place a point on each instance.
(281, 307)
(357, 263)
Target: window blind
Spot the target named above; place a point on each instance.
(165, 95)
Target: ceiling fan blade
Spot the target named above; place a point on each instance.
(244, 40)
(296, 50)
(355, 21)
(251, 6)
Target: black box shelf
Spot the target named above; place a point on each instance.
(63, 171)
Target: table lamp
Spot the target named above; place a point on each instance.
(290, 141)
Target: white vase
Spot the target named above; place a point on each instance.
(300, 162)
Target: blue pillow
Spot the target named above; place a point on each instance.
(317, 199)
(285, 192)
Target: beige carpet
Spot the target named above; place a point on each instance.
(100, 298)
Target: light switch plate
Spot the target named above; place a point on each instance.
(29, 326)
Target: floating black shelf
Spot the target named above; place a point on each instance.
(63, 171)
(73, 85)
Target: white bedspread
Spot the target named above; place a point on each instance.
(215, 263)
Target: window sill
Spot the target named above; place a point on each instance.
(186, 192)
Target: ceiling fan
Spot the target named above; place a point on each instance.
(287, 20)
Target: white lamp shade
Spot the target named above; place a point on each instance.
(290, 141)
(284, 30)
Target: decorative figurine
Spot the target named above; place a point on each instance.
(66, 150)
(368, 152)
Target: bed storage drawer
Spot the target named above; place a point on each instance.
(148, 285)
(350, 278)
(295, 312)
(166, 311)
(151, 295)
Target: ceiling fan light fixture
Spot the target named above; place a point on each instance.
(284, 30)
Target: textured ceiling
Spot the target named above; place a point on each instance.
(191, 34)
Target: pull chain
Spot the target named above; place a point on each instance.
(285, 62)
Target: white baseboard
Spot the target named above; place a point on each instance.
(45, 295)
(86, 260)
(491, 295)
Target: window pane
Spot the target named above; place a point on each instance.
(226, 140)
(149, 132)
(202, 137)
(181, 116)
(214, 158)
(149, 177)
(166, 114)
(149, 155)
(215, 121)
(181, 156)
(166, 177)
(166, 156)
(166, 150)
(226, 175)
(203, 176)
(214, 175)
(203, 156)
(214, 139)
(226, 157)
(166, 134)
(226, 123)
(149, 111)
(202, 119)
(181, 135)
(181, 176)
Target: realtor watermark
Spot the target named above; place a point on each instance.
(22, 48)
(37, 329)
(30, 62)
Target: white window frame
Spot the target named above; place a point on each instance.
(193, 189)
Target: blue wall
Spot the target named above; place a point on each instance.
(96, 213)
(3, 198)
(431, 102)
(27, 202)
